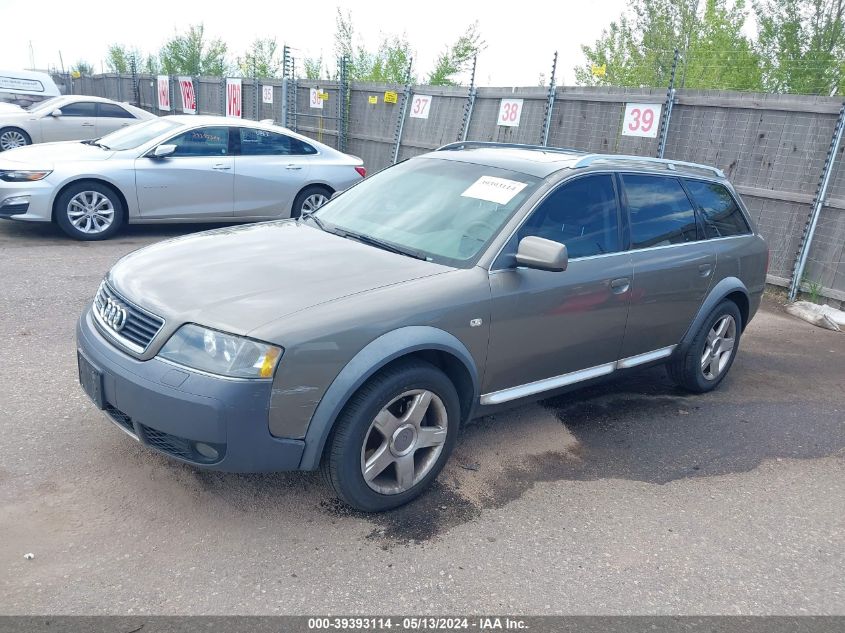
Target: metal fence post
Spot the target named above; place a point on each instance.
(294, 85)
(403, 109)
(550, 104)
(667, 108)
(470, 103)
(223, 95)
(343, 104)
(818, 204)
(136, 89)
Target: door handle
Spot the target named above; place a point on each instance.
(221, 167)
(293, 167)
(620, 285)
(705, 270)
(87, 125)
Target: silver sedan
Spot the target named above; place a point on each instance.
(172, 169)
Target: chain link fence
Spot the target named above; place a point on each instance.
(775, 148)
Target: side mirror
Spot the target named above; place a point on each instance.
(56, 113)
(163, 151)
(542, 254)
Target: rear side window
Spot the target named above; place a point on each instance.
(719, 212)
(661, 212)
(255, 142)
(205, 141)
(582, 214)
(80, 108)
(113, 111)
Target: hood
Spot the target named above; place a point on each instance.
(46, 154)
(236, 279)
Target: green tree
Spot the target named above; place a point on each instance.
(313, 67)
(457, 58)
(388, 63)
(83, 68)
(150, 65)
(191, 53)
(262, 59)
(637, 49)
(117, 59)
(802, 45)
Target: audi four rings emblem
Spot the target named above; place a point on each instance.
(113, 313)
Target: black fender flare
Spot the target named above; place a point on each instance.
(717, 294)
(375, 355)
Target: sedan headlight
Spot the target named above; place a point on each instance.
(219, 353)
(23, 175)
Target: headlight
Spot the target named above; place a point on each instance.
(218, 353)
(22, 175)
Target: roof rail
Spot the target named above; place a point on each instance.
(470, 144)
(589, 159)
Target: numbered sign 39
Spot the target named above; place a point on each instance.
(189, 97)
(163, 92)
(267, 94)
(641, 119)
(420, 105)
(510, 111)
(233, 97)
(314, 99)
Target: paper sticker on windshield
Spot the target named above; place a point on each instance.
(492, 189)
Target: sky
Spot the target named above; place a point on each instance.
(521, 36)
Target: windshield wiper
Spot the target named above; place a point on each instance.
(387, 246)
(95, 142)
(309, 215)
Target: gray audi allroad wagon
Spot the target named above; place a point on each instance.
(360, 337)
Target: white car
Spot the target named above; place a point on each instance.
(69, 118)
(173, 169)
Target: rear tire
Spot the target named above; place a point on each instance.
(310, 199)
(89, 210)
(393, 437)
(12, 137)
(711, 353)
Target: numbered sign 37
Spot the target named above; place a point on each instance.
(163, 92)
(641, 119)
(420, 105)
(189, 97)
(314, 99)
(233, 97)
(267, 94)
(510, 111)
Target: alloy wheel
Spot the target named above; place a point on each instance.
(313, 202)
(404, 441)
(11, 139)
(90, 212)
(719, 347)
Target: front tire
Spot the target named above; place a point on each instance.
(12, 137)
(711, 353)
(393, 437)
(310, 199)
(89, 211)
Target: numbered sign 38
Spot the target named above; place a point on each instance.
(641, 119)
(267, 94)
(420, 105)
(163, 85)
(314, 99)
(233, 97)
(189, 97)
(510, 111)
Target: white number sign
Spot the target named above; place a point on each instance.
(314, 99)
(189, 96)
(233, 97)
(420, 105)
(163, 92)
(510, 111)
(267, 94)
(641, 119)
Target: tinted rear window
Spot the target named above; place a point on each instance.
(719, 212)
(661, 212)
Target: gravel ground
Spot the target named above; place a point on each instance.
(631, 497)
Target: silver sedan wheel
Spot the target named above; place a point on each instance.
(90, 212)
(404, 441)
(719, 347)
(11, 139)
(313, 202)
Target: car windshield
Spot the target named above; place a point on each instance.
(136, 135)
(445, 210)
(48, 105)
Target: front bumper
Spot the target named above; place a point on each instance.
(29, 201)
(171, 408)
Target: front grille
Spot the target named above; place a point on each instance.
(129, 324)
(120, 418)
(167, 443)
